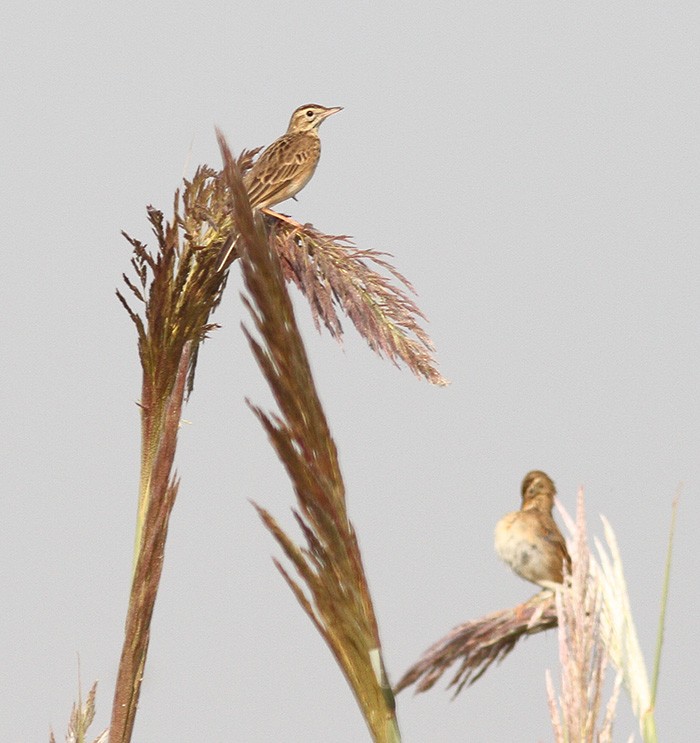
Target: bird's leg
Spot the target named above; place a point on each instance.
(550, 585)
(283, 218)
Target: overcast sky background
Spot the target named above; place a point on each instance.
(533, 168)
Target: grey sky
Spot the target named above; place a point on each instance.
(534, 170)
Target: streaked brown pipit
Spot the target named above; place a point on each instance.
(529, 539)
(286, 166)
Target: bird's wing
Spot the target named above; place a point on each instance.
(276, 174)
(554, 536)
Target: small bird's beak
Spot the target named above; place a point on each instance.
(330, 111)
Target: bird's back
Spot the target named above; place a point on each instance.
(283, 169)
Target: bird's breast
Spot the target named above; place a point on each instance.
(519, 544)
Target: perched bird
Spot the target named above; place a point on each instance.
(286, 166)
(529, 539)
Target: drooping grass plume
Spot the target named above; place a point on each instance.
(475, 645)
(329, 270)
(332, 587)
(82, 716)
(583, 651)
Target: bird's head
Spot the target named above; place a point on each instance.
(309, 117)
(538, 487)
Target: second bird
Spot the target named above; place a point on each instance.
(529, 539)
(286, 166)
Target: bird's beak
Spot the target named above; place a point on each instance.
(330, 111)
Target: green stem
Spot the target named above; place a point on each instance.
(649, 725)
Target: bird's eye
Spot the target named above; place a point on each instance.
(309, 113)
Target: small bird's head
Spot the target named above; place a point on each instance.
(538, 487)
(309, 117)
